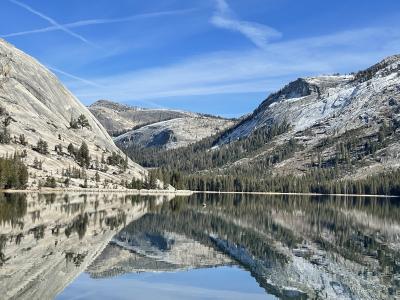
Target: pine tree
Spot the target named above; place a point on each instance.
(5, 137)
(71, 149)
(42, 147)
(83, 156)
(83, 121)
(13, 173)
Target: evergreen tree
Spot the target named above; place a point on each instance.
(42, 147)
(151, 181)
(13, 173)
(83, 121)
(83, 156)
(50, 182)
(5, 137)
(71, 149)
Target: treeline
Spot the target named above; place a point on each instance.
(324, 181)
(206, 154)
(150, 183)
(13, 173)
(324, 175)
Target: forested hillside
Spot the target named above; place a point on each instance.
(329, 134)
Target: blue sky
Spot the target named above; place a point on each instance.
(215, 56)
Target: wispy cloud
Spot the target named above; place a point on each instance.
(90, 22)
(53, 22)
(256, 70)
(259, 34)
(74, 77)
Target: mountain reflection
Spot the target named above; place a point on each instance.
(294, 246)
(46, 240)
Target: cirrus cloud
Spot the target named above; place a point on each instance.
(258, 34)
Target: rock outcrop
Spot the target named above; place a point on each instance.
(161, 128)
(332, 107)
(172, 134)
(39, 108)
(119, 118)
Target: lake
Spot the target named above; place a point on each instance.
(204, 246)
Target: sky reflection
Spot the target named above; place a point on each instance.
(210, 283)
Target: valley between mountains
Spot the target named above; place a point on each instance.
(324, 134)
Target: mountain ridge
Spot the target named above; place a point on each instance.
(316, 84)
(328, 131)
(132, 126)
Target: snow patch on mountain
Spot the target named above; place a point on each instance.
(341, 102)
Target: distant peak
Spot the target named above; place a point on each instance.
(298, 88)
(113, 105)
(302, 87)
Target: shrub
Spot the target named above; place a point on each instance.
(37, 164)
(23, 140)
(50, 182)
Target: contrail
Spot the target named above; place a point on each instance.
(51, 21)
(97, 22)
(73, 76)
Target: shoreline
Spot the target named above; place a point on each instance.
(179, 192)
(94, 191)
(295, 194)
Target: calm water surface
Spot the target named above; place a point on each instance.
(108, 246)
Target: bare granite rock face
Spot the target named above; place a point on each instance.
(116, 117)
(40, 107)
(165, 128)
(173, 133)
(317, 108)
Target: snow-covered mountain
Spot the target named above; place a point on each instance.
(333, 107)
(338, 103)
(36, 106)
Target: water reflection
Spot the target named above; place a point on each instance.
(46, 240)
(294, 246)
(12, 209)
